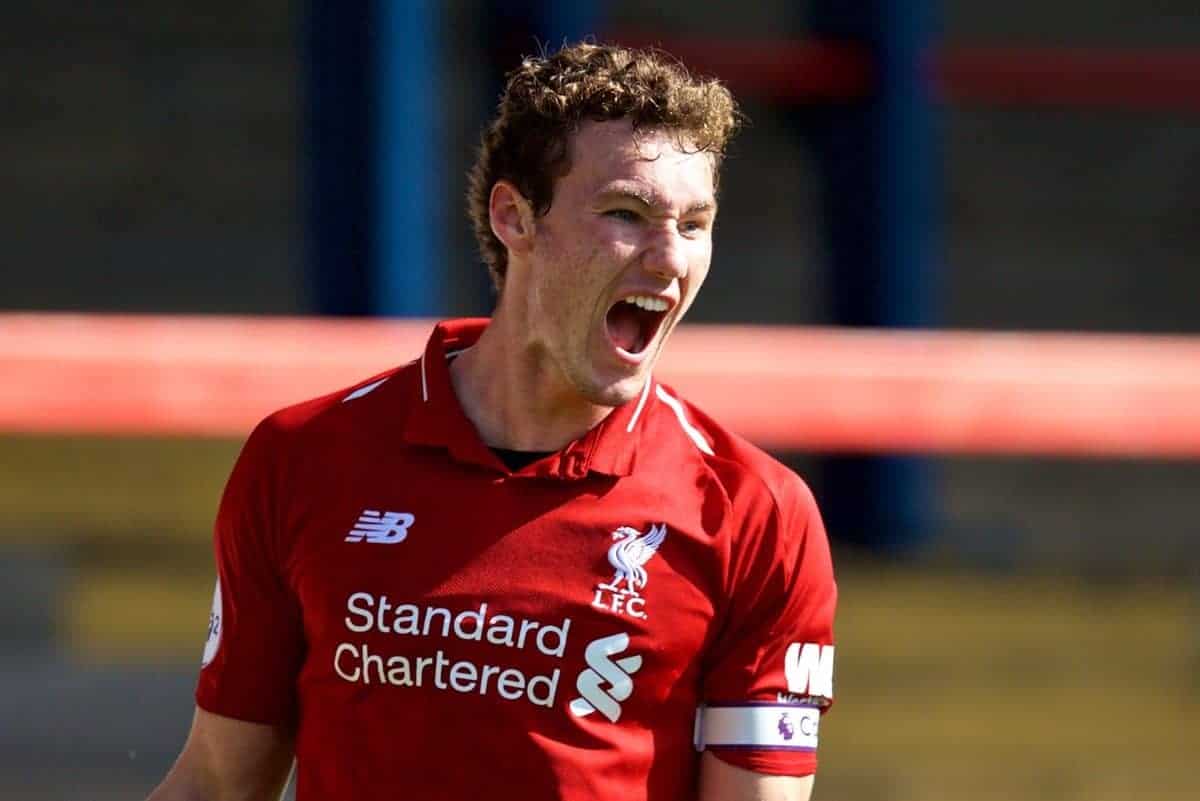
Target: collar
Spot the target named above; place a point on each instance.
(436, 418)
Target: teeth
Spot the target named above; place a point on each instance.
(648, 303)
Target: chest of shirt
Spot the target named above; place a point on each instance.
(482, 584)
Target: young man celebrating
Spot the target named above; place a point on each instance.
(521, 567)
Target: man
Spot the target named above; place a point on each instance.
(521, 567)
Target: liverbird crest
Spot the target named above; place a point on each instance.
(629, 554)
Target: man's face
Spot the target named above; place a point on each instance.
(619, 257)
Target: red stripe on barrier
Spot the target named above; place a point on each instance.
(808, 71)
(786, 388)
(775, 70)
(1063, 77)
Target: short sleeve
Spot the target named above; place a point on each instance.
(769, 676)
(255, 639)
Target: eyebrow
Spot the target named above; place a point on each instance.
(651, 199)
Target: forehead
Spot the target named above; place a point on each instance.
(604, 154)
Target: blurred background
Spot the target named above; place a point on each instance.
(1013, 626)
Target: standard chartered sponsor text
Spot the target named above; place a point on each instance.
(359, 663)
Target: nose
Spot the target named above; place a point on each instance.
(667, 256)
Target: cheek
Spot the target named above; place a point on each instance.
(618, 238)
(563, 291)
(577, 265)
(700, 261)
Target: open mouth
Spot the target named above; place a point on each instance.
(633, 322)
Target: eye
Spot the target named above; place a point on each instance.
(693, 226)
(624, 215)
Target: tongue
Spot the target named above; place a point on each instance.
(625, 327)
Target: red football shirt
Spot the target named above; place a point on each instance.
(437, 626)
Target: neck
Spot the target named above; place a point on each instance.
(515, 396)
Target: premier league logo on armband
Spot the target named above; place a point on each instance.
(628, 555)
(787, 727)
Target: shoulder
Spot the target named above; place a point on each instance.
(773, 535)
(286, 458)
(359, 408)
(745, 471)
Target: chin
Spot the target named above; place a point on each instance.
(613, 393)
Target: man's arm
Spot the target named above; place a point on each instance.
(720, 781)
(229, 760)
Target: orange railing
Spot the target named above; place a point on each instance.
(786, 388)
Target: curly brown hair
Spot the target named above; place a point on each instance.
(547, 98)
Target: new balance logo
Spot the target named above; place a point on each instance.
(383, 528)
(605, 683)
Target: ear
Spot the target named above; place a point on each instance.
(511, 217)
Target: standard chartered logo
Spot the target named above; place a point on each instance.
(367, 660)
(606, 682)
(420, 647)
